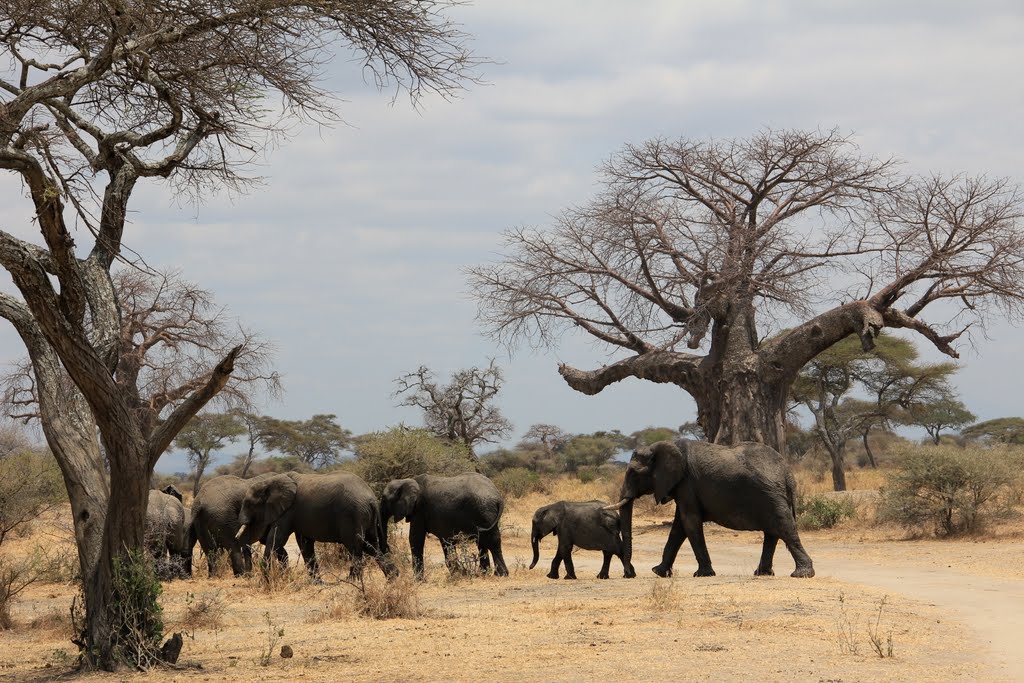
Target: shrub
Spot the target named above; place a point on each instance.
(401, 453)
(950, 490)
(517, 482)
(823, 512)
(30, 484)
(379, 598)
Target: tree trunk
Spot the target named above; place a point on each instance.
(112, 636)
(743, 407)
(867, 449)
(838, 455)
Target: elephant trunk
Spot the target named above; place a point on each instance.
(535, 541)
(626, 526)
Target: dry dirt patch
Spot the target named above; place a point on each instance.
(529, 628)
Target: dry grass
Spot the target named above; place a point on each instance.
(203, 611)
(379, 598)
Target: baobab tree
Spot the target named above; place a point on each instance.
(97, 96)
(724, 266)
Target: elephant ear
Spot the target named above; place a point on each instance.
(668, 465)
(407, 500)
(549, 519)
(278, 495)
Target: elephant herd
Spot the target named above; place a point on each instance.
(745, 487)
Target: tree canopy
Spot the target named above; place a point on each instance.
(694, 253)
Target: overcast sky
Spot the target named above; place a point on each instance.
(349, 256)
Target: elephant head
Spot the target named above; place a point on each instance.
(171, 490)
(265, 502)
(545, 521)
(399, 499)
(655, 469)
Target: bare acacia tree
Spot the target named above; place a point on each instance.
(692, 249)
(98, 95)
(462, 411)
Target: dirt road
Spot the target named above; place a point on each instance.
(991, 608)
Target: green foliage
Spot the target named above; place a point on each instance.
(945, 412)
(650, 435)
(517, 482)
(317, 441)
(1007, 430)
(400, 453)
(823, 512)
(949, 490)
(503, 458)
(30, 484)
(591, 449)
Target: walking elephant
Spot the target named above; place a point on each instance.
(215, 521)
(446, 507)
(167, 533)
(331, 508)
(745, 487)
(587, 525)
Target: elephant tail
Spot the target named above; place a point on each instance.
(791, 493)
(497, 518)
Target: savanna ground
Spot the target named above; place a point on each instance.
(880, 608)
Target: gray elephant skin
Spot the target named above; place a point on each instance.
(587, 525)
(466, 504)
(746, 487)
(167, 533)
(330, 508)
(215, 521)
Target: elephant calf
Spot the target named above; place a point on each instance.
(167, 533)
(467, 504)
(586, 525)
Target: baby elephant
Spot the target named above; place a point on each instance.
(586, 525)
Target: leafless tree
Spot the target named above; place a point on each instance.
(98, 95)
(693, 249)
(462, 411)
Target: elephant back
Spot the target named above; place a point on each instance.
(466, 503)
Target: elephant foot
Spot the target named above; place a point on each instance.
(763, 572)
(803, 573)
(570, 577)
(552, 575)
(603, 575)
(662, 571)
(704, 572)
(629, 573)
(501, 571)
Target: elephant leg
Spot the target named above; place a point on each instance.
(804, 565)
(676, 538)
(307, 547)
(417, 538)
(241, 560)
(565, 550)
(481, 549)
(492, 541)
(382, 559)
(694, 527)
(603, 574)
(764, 568)
(450, 555)
(556, 562)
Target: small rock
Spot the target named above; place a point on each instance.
(286, 651)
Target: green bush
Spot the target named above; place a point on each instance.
(823, 512)
(30, 484)
(516, 482)
(401, 453)
(950, 490)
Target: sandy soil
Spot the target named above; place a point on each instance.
(952, 614)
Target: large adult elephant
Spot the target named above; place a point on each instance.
(331, 508)
(586, 525)
(167, 533)
(466, 504)
(745, 487)
(215, 521)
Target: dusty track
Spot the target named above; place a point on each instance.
(947, 623)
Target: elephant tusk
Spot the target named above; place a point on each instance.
(241, 530)
(617, 506)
